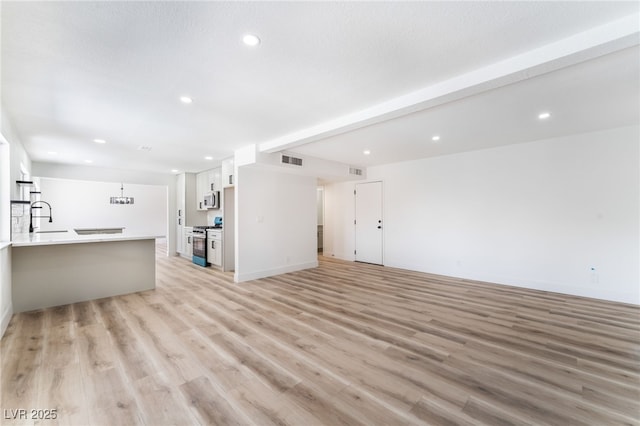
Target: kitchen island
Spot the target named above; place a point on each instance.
(58, 268)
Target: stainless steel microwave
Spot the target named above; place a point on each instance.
(212, 200)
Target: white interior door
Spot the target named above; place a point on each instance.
(368, 222)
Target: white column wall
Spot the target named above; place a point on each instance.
(276, 223)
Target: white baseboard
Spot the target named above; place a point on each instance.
(602, 292)
(241, 277)
(6, 317)
(341, 256)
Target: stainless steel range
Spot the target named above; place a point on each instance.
(200, 244)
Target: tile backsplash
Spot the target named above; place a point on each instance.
(19, 218)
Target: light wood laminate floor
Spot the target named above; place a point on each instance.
(342, 344)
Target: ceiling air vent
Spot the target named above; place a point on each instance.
(355, 171)
(287, 159)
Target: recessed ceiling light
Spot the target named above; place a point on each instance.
(366, 152)
(186, 99)
(208, 158)
(544, 115)
(88, 161)
(101, 141)
(436, 138)
(251, 40)
(174, 170)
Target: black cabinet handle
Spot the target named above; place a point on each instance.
(179, 221)
(212, 245)
(379, 227)
(188, 240)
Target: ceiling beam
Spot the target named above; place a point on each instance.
(580, 47)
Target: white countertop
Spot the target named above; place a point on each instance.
(70, 237)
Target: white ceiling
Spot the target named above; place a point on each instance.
(600, 94)
(76, 71)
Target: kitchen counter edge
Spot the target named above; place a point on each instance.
(27, 240)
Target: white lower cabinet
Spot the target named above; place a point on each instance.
(188, 242)
(214, 247)
(180, 239)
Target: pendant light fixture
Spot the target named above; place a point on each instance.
(121, 199)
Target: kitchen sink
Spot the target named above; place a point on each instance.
(50, 232)
(91, 231)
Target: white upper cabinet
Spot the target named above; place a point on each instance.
(215, 180)
(207, 182)
(202, 187)
(228, 179)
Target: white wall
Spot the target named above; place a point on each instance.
(99, 174)
(85, 204)
(5, 190)
(18, 158)
(537, 215)
(19, 162)
(6, 306)
(18, 154)
(276, 215)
